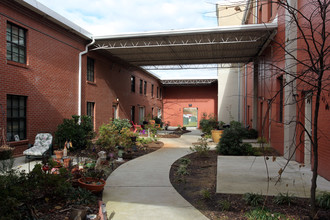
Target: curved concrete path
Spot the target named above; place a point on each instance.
(141, 189)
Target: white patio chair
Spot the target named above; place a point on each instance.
(41, 148)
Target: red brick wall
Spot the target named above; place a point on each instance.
(49, 79)
(274, 54)
(178, 97)
(112, 81)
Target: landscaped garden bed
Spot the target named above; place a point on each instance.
(71, 185)
(197, 184)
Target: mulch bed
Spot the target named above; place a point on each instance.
(202, 176)
(174, 133)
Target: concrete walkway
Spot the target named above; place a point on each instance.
(141, 189)
(247, 174)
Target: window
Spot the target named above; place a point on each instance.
(157, 92)
(141, 114)
(152, 90)
(141, 86)
(281, 98)
(16, 43)
(16, 117)
(145, 87)
(160, 93)
(90, 69)
(90, 110)
(132, 83)
(133, 113)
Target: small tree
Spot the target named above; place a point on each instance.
(80, 134)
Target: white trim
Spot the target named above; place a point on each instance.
(79, 74)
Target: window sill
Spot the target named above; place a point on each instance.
(18, 143)
(91, 83)
(13, 63)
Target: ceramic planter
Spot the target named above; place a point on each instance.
(58, 153)
(216, 135)
(94, 185)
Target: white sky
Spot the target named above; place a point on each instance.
(105, 17)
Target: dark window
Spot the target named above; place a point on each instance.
(90, 110)
(16, 43)
(132, 83)
(145, 87)
(141, 86)
(133, 113)
(157, 92)
(16, 117)
(152, 90)
(160, 93)
(281, 99)
(270, 8)
(90, 69)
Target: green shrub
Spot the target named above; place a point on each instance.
(19, 190)
(283, 199)
(231, 141)
(253, 199)
(323, 200)
(182, 170)
(206, 194)
(116, 132)
(251, 134)
(158, 121)
(80, 134)
(185, 161)
(201, 148)
(263, 214)
(224, 205)
(208, 123)
(80, 196)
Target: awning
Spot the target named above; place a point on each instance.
(230, 44)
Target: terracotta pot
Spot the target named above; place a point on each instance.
(58, 153)
(92, 184)
(66, 162)
(216, 135)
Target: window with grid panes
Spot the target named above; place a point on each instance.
(90, 111)
(16, 117)
(132, 83)
(145, 87)
(16, 43)
(141, 86)
(90, 69)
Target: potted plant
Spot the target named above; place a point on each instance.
(217, 132)
(92, 181)
(58, 153)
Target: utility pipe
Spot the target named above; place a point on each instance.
(79, 78)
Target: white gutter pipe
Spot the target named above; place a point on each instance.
(79, 78)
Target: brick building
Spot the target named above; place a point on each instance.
(40, 71)
(274, 102)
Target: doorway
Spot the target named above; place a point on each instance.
(115, 111)
(190, 118)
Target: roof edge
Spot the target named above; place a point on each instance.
(41, 9)
(249, 27)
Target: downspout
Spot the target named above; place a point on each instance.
(239, 94)
(79, 78)
(245, 110)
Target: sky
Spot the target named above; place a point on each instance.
(106, 17)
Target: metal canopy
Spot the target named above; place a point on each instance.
(188, 82)
(231, 44)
